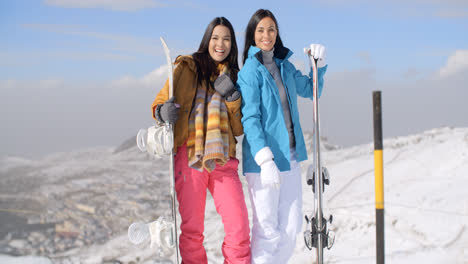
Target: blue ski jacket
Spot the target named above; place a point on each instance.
(263, 118)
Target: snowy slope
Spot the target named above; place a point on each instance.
(426, 202)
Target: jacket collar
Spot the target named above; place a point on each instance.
(279, 53)
(188, 59)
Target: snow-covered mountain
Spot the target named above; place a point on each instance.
(76, 207)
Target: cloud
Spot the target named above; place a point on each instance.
(116, 5)
(123, 43)
(412, 73)
(344, 106)
(448, 9)
(67, 115)
(155, 78)
(413, 100)
(449, 3)
(452, 13)
(456, 63)
(364, 56)
(46, 84)
(148, 46)
(436, 8)
(107, 113)
(300, 65)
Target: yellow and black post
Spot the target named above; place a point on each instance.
(379, 191)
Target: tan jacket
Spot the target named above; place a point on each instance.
(185, 88)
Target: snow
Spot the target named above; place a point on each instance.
(426, 204)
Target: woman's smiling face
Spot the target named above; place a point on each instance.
(220, 43)
(265, 34)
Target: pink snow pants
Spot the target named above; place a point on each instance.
(225, 187)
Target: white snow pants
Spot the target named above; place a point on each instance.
(277, 216)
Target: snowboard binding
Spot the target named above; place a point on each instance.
(311, 177)
(311, 236)
(159, 232)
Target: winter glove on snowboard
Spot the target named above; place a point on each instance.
(317, 51)
(168, 112)
(224, 86)
(269, 172)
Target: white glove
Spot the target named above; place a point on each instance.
(269, 173)
(318, 52)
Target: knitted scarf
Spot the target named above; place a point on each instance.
(208, 134)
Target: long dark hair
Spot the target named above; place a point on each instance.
(205, 64)
(250, 31)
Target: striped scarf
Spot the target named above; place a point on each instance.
(208, 130)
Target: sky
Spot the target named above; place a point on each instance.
(76, 74)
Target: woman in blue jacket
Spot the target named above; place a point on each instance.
(273, 143)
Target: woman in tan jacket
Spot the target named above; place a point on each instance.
(206, 112)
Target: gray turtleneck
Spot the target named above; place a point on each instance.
(270, 64)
